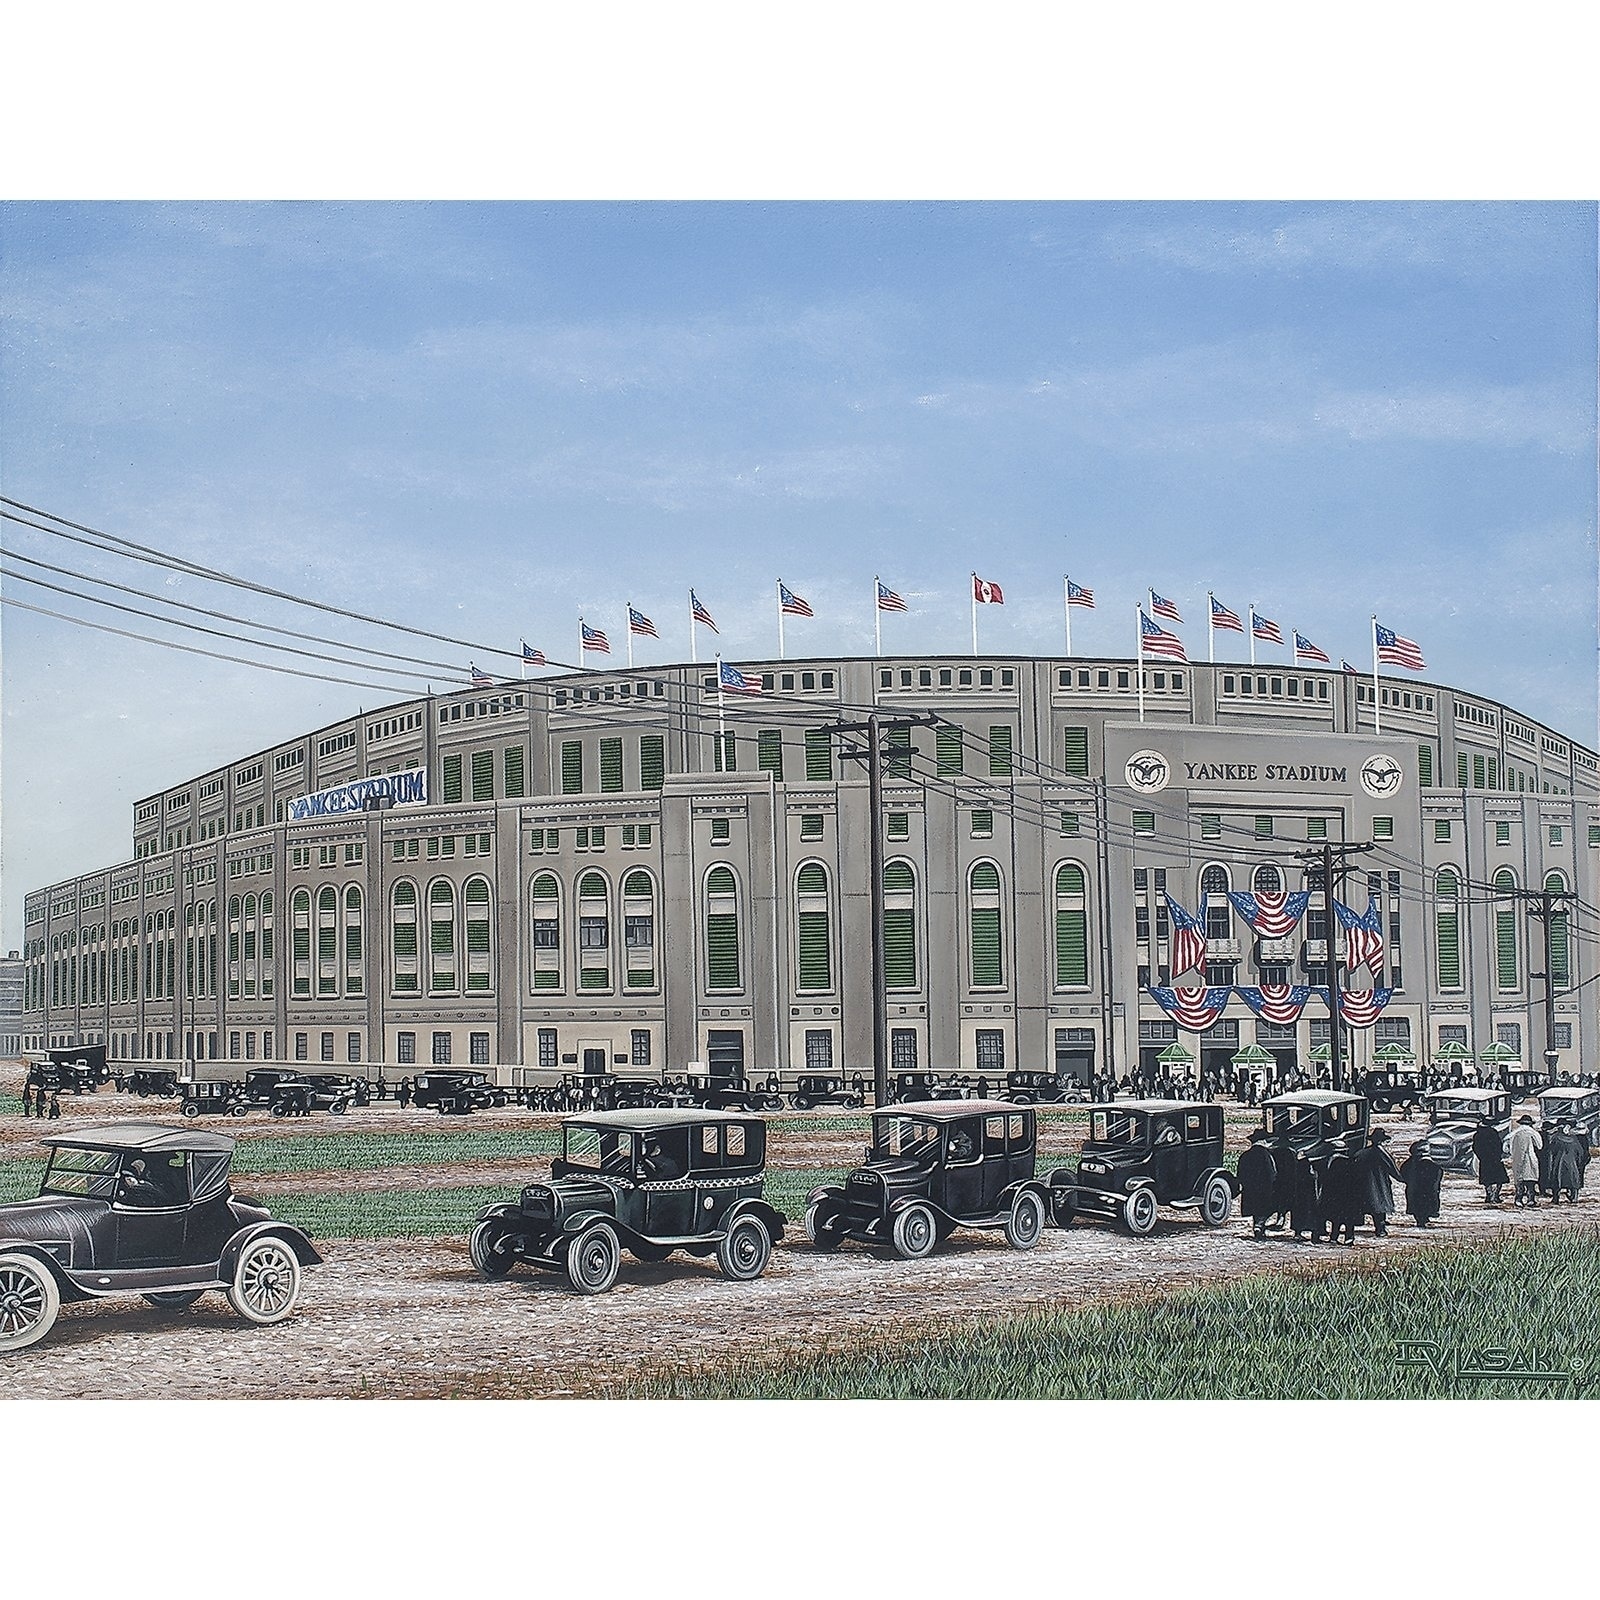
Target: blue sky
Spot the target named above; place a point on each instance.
(482, 419)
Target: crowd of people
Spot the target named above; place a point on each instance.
(1547, 1161)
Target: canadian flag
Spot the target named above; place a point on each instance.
(986, 593)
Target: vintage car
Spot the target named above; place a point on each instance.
(1580, 1104)
(214, 1097)
(653, 1181)
(299, 1097)
(1525, 1082)
(136, 1208)
(825, 1089)
(340, 1086)
(1313, 1120)
(1141, 1154)
(1394, 1088)
(457, 1090)
(259, 1083)
(933, 1167)
(907, 1087)
(1453, 1118)
(79, 1069)
(1044, 1089)
(147, 1081)
(730, 1094)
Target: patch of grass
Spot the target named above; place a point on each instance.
(370, 1152)
(388, 1213)
(1339, 1334)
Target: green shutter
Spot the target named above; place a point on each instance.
(1461, 771)
(819, 756)
(1441, 831)
(1069, 824)
(815, 966)
(1560, 970)
(1144, 822)
(899, 825)
(1425, 765)
(1449, 941)
(986, 876)
(483, 774)
(950, 748)
(722, 950)
(1477, 772)
(652, 761)
(1072, 950)
(571, 766)
(985, 946)
(726, 750)
(1000, 751)
(810, 826)
(982, 824)
(610, 765)
(1505, 944)
(1210, 825)
(452, 779)
(769, 752)
(899, 766)
(899, 947)
(1077, 752)
(1316, 827)
(1383, 827)
(514, 772)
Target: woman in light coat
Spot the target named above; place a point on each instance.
(1525, 1147)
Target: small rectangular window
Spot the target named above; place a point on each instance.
(1441, 831)
(1069, 824)
(899, 825)
(1383, 827)
(1316, 827)
(1144, 822)
(982, 824)
(720, 831)
(1210, 825)
(1263, 827)
(810, 827)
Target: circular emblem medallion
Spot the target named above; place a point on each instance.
(1147, 771)
(1381, 776)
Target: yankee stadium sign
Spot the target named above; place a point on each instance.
(394, 788)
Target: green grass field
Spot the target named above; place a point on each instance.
(1328, 1335)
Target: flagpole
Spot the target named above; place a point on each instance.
(877, 617)
(580, 642)
(1066, 606)
(1211, 628)
(1377, 714)
(1252, 633)
(524, 644)
(722, 719)
(1139, 614)
(694, 656)
(630, 635)
(780, 619)
(974, 613)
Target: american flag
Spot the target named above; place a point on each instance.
(1363, 935)
(1265, 628)
(1077, 595)
(1304, 650)
(1154, 640)
(698, 613)
(1395, 651)
(534, 658)
(638, 622)
(730, 680)
(888, 600)
(1162, 607)
(1188, 938)
(594, 639)
(480, 680)
(1222, 617)
(790, 604)
(986, 593)
(1355, 672)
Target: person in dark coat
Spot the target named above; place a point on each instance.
(403, 1095)
(1376, 1175)
(1422, 1178)
(27, 1099)
(1569, 1155)
(1258, 1173)
(1306, 1213)
(1490, 1151)
(1339, 1204)
(55, 1106)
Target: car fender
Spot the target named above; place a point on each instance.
(579, 1220)
(1008, 1195)
(69, 1287)
(827, 1191)
(899, 1204)
(501, 1210)
(1218, 1172)
(291, 1236)
(771, 1218)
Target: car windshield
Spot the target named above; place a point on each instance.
(1459, 1106)
(83, 1172)
(1295, 1122)
(1119, 1127)
(905, 1136)
(609, 1150)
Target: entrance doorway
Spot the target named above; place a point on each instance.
(725, 1052)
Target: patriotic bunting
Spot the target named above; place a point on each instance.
(1281, 1003)
(1194, 1010)
(1271, 916)
(1363, 935)
(1359, 1008)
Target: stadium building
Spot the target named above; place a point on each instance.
(586, 873)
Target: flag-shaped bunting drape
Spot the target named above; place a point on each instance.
(986, 593)
(1194, 1010)
(1359, 1008)
(638, 622)
(888, 600)
(1265, 628)
(1188, 938)
(730, 680)
(698, 613)
(1304, 650)
(790, 603)
(1363, 935)
(534, 658)
(1156, 641)
(594, 639)
(1397, 651)
(1271, 915)
(1279, 1003)
(1222, 617)
(1077, 595)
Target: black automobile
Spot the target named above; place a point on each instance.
(1142, 1154)
(653, 1181)
(299, 1097)
(79, 1069)
(260, 1082)
(456, 1090)
(729, 1094)
(1580, 1104)
(147, 1081)
(214, 1097)
(1394, 1088)
(1043, 1089)
(1453, 1118)
(339, 1087)
(135, 1208)
(913, 1087)
(1313, 1121)
(825, 1089)
(933, 1167)
(1525, 1082)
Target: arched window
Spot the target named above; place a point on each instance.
(403, 936)
(899, 925)
(1072, 928)
(594, 932)
(1507, 967)
(442, 977)
(814, 927)
(251, 912)
(544, 928)
(983, 921)
(1214, 886)
(639, 930)
(1447, 928)
(170, 921)
(480, 951)
(1267, 880)
(355, 967)
(300, 944)
(267, 967)
(1560, 948)
(327, 940)
(722, 929)
(191, 974)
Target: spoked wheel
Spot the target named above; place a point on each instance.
(484, 1248)
(29, 1301)
(915, 1232)
(745, 1249)
(1216, 1203)
(1139, 1211)
(1026, 1221)
(266, 1282)
(822, 1227)
(173, 1299)
(593, 1258)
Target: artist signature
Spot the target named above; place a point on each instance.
(1487, 1364)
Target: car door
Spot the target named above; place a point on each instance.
(151, 1212)
(1167, 1157)
(670, 1204)
(964, 1144)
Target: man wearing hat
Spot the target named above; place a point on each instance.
(1525, 1147)
(1258, 1173)
(1375, 1176)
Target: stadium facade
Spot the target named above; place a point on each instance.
(582, 873)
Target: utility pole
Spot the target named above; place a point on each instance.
(1329, 871)
(875, 727)
(1541, 904)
